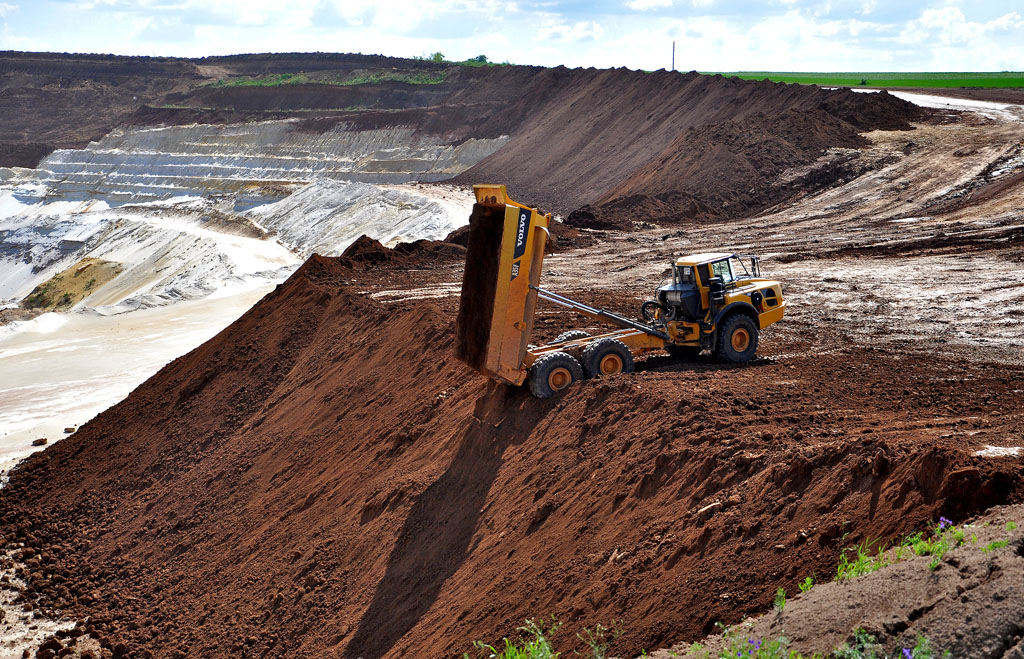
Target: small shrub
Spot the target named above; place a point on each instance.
(1011, 526)
(922, 650)
(780, 600)
(537, 647)
(807, 583)
(863, 647)
(601, 638)
(992, 546)
(866, 560)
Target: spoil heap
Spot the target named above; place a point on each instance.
(635, 146)
(324, 477)
(628, 143)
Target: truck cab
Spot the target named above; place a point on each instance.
(706, 292)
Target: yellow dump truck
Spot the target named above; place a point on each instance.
(714, 302)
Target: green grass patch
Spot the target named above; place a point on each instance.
(870, 556)
(277, 80)
(534, 642)
(285, 79)
(992, 546)
(1003, 79)
(418, 78)
(862, 646)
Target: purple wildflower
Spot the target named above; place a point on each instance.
(943, 523)
(907, 653)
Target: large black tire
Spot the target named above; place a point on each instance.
(571, 335)
(606, 357)
(553, 372)
(737, 339)
(683, 353)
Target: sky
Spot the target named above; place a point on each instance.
(710, 35)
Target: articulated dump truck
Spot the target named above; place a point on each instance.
(714, 303)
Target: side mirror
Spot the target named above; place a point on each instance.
(716, 285)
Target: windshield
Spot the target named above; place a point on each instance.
(739, 269)
(722, 269)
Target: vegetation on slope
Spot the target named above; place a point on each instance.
(68, 288)
(886, 79)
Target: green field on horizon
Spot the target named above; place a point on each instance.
(885, 79)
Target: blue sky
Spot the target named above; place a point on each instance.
(722, 35)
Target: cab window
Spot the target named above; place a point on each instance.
(684, 274)
(722, 269)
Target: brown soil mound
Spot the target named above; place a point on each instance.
(23, 154)
(583, 136)
(479, 277)
(323, 477)
(590, 136)
(419, 253)
(588, 217)
(969, 603)
(729, 169)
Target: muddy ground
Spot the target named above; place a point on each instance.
(324, 479)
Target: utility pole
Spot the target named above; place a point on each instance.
(673, 55)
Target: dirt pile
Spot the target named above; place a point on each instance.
(729, 169)
(479, 280)
(54, 100)
(578, 136)
(968, 601)
(592, 137)
(366, 251)
(324, 477)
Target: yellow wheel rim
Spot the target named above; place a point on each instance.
(740, 339)
(559, 379)
(611, 365)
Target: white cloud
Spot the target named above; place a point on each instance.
(948, 26)
(644, 5)
(578, 31)
(809, 35)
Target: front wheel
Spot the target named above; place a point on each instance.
(553, 372)
(737, 339)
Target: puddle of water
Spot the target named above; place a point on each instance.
(59, 375)
(998, 451)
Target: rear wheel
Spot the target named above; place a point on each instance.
(571, 335)
(737, 339)
(607, 357)
(553, 372)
